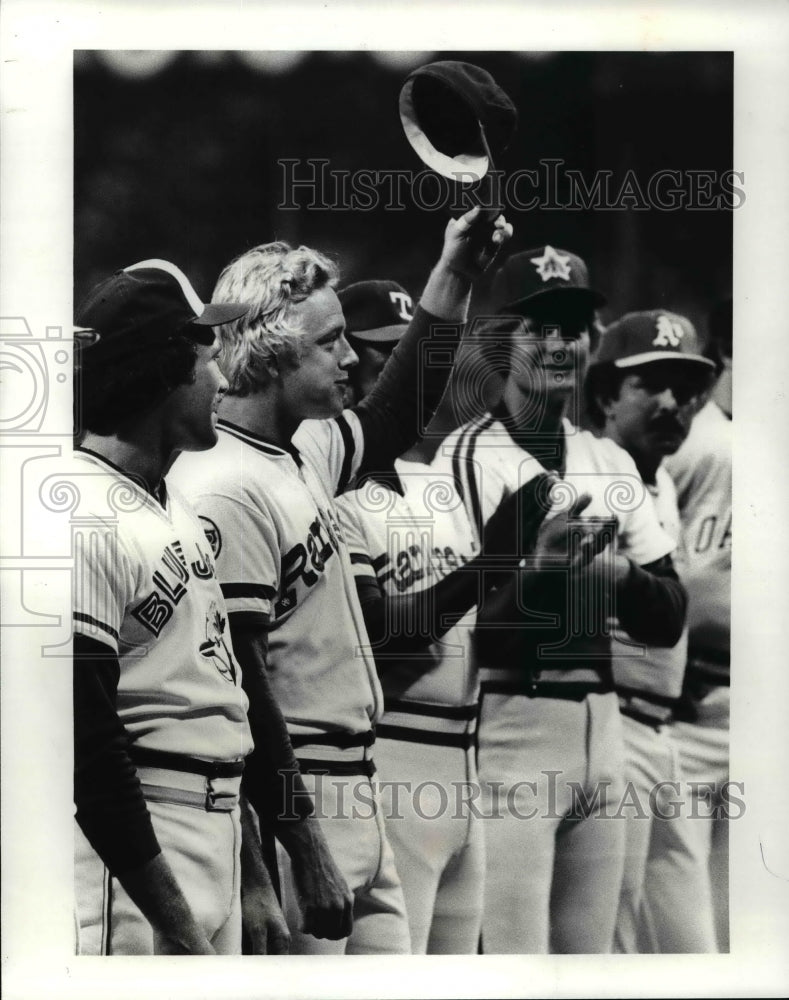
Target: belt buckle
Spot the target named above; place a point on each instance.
(216, 801)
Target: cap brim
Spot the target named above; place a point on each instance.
(649, 356)
(217, 313)
(585, 296)
(381, 335)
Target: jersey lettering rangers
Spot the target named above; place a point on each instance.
(283, 566)
(145, 586)
(409, 542)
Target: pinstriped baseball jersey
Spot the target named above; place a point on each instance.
(409, 543)
(488, 465)
(145, 586)
(660, 669)
(270, 515)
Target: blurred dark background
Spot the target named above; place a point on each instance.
(176, 156)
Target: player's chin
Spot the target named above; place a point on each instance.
(668, 442)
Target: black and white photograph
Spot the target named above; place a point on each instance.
(371, 483)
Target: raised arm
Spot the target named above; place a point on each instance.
(111, 809)
(408, 391)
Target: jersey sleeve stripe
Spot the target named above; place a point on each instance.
(360, 558)
(248, 619)
(96, 624)
(259, 590)
(465, 472)
(350, 448)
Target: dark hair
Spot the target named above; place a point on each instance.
(115, 385)
(602, 381)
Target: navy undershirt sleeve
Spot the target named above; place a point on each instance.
(110, 807)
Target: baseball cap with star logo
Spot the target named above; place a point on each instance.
(640, 338)
(542, 274)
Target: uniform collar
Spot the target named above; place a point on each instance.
(259, 443)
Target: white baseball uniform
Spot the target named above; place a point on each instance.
(550, 740)
(425, 740)
(702, 472)
(657, 824)
(283, 566)
(145, 588)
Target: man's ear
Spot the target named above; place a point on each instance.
(605, 403)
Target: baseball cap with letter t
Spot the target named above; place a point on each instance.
(149, 301)
(376, 312)
(639, 338)
(542, 277)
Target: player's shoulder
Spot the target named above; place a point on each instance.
(463, 441)
(603, 453)
(92, 486)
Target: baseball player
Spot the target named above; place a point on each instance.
(701, 469)
(550, 740)
(286, 449)
(160, 721)
(418, 576)
(642, 391)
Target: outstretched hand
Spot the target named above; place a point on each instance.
(473, 241)
(553, 540)
(512, 530)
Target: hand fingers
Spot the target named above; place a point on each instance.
(278, 944)
(331, 924)
(579, 506)
(465, 221)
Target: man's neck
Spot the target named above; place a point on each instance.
(259, 415)
(542, 433)
(140, 456)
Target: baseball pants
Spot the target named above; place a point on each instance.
(203, 850)
(656, 816)
(435, 830)
(548, 769)
(350, 814)
(704, 761)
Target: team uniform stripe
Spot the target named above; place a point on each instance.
(90, 620)
(252, 440)
(474, 503)
(248, 619)
(360, 559)
(190, 295)
(259, 590)
(350, 450)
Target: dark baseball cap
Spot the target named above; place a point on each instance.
(539, 276)
(443, 105)
(376, 312)
(152, 297)
(640, 338)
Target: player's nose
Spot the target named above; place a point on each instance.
(667, 400)
(349, 356)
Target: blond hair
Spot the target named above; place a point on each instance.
(269, 278)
